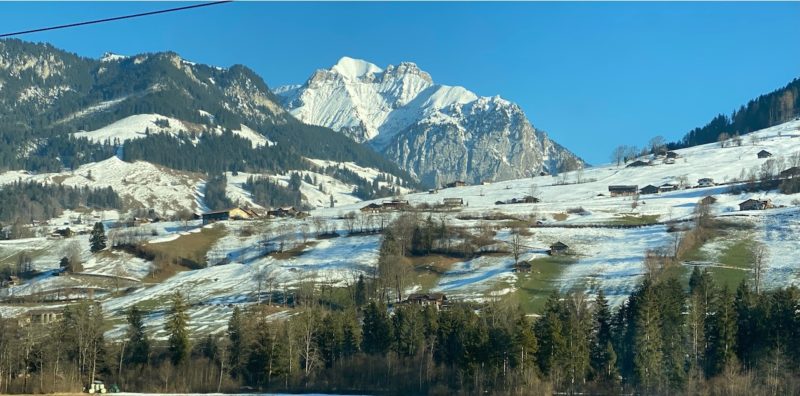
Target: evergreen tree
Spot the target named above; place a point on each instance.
(408, 330)
(721, 334)
(97, 239)
(351, 334)
(377, 330)
(177, 327)
(550, 330)
(138, 343)
(360, 295)
(237, 335)
(648, 358)
(601, 340)
(525, 344)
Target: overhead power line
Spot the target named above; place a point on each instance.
(118, 18)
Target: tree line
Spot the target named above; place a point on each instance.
(23, 202)
(664, 339)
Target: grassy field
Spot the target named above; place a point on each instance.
(429, 269)
(533, 288)
(738, 255)
(175, 256)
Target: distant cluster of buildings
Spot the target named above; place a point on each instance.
(250, 214)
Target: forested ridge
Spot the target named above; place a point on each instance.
(63, 93)
(765, 111)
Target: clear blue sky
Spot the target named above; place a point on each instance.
(594, 75)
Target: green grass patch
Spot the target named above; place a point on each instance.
(429, 269)
(635, 220)
(192, 246)
(533, 288)
(739, 254)
(728, 277)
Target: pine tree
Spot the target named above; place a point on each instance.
(408, 330)
(138, 343)
(550, 330)
(377, 330)
(360, 295)
(648, 355)
(177, 328)
(721, 334)
(237, 335)
(525, 344)
(97, 239)
(601, 341)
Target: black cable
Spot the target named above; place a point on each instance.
(113, 18)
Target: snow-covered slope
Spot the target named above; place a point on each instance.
(604, 255)
(140, 184)
(140, 125)
(441, 133)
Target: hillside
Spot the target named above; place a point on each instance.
(59, 110)
(767, 110)
(439, 133)
(608, 238)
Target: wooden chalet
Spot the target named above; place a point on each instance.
(637, 163)
(425, 299)
(790, 173)
(371, 208)
(764, 154)
(457, 183)
(395, 204)
(672, 154)
(705, 182)
(558, 248)
(453, 202)
(708, 200)
(623, 191)
(755, 204)
(229, 214)
(288, 211)
(667, 187)
(649, 189)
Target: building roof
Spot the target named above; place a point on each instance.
(623, 187)
(559, 246)
(427, 296)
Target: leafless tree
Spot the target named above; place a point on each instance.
(618, 154)
(350, 221)
(657, 144)
(516, 243)
(760, 256)
(723, 139)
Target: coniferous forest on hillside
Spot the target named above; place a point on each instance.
(664, 339)
(765, 111)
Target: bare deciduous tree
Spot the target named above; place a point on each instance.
(760, 256)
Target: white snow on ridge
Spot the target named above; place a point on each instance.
(137, 126)
(366, 101)
(133, 127)
(166, 191)
(355, 68)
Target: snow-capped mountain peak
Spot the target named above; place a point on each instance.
(354, 68)
(439, 132)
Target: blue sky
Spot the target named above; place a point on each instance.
(594, 75)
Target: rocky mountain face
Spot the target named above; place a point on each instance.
(439, 133)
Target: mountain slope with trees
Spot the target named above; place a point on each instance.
(767, 110)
